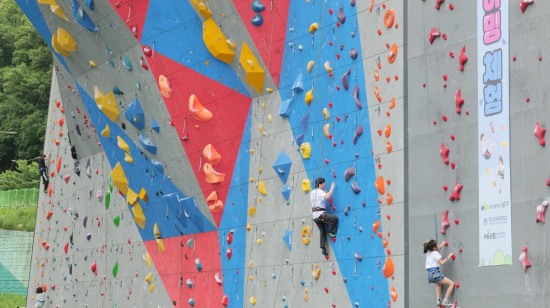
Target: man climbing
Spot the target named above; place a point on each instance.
(325, 221)
(43, 169)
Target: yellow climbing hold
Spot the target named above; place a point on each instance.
(250, 278)
(143, 195)
(306, 185)
(128, 158)
(119, 178)
(149, 277)
(203, 9)
(259, 241)
(63, 43)
(313, 27)
(251, 179)
(106, 132)
(156, 231)
(152, 288)
(306, 235)
(248, 227)
(269, 90)
(270, 118)
(106, 103)
(316, 271)
(252, 151)
(310, 66)
(147, 259)
(261, 188)
(216, 42)
(92, 63)
(231, 44)
(326, 130)
(326, 113)
(253, 300)
(254, 73)
(139, 216)
(160, 245)
(251, 211)
(261, 127)
(131, 197)
(305, 150)
(327, 67)
(122, 144)
(309, 97)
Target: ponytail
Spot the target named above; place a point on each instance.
(429, 245)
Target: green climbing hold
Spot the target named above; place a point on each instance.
(107, 200)
(116, 220)
(115, 270)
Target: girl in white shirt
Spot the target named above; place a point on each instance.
(40, 297)
(433, 260)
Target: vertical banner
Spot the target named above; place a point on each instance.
(495, 225)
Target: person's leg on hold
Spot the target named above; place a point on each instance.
(323, 234)
(332, 224)
(438, 293)
(451, 285)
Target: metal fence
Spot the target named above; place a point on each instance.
(19, 197)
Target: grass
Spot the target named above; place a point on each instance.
(9, 300)
(18, 218)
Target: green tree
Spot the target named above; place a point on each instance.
(25, 78)
(25, 176)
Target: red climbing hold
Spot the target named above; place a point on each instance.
(462, 59)
(524, 3)
(541, 211)
(456, 192)
(444, 152)
(94, 268)
(459, 101)
(524, 258)
(539, 133)
(434, 33)
(225, 300)
(438, 4)
(445, 222)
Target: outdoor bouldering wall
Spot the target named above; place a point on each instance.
(439, 40)
(185, 136)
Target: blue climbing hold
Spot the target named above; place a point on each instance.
(282, 166)
(298, 85)
(258, 20)
(155, 126)
(284, 110)
(126, 63)
(82, 18)
(287, 238)
(147, 144)
(257, 6)
(286, 192)
(89, 4)
(135, 114)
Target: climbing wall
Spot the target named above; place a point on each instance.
(445, 147)
(184, 138)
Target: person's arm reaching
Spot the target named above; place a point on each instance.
(329, 193)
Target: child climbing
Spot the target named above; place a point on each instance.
(325, 221)
(43, 169)
(40, 297)
(433, 261)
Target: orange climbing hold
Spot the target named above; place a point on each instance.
(212, 176)
(387, 131)
(388, 268)
(389, 18)
(389, 147)
(375, 226)
(380, 185)
(392, 103)
(214, 204)
(376, 75)
(197, 110)
(385, 242)
(389, 199)
(58, 167)
(392, 55)
(211, 155)
(164, 85)
(393, 294)
(377, 93)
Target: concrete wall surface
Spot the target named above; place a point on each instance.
(176, 176)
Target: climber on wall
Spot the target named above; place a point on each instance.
(325, 221)
(40, 297)
(433, 260)
(43, 169)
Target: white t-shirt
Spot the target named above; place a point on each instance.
(317, 198)
(432, 259)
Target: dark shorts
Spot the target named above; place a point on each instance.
(434, 275)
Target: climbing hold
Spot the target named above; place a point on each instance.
(147, 144)
(341, 15)
(305, 150)
(212, 176)
(309, 66)
(211, 155)
(380, 185)
(93, 268)
(358, 133)
(106, 103)
(356, 97)
(389, 199)
(388, 267)
(313, 27)
(252, 300)
(541, 211)
(257, 20)
(82, 17)
(258, 6)
(119, 178)
(282, 166)
(387, 131)
(229, 253)
(164, 85)
(216, 41)
(444, 152)
(149, 277)
(434, 33)
(197, 110)
(456, 192)
(147, 50)
(523, 4)
(126, 63)
(326, 131)
(198, 264)
(375, 226)
(254, 73)
(106, 132)
(309, 96)
(135, 114)
(459, 101)
(438, 4)
(462, 59)
(328, 68)
(345, 79)
(353, 54)
(377, 94)
(261, 188)
(392, 54)
(116, 220)
(389, 147)
(306, 185)
(355, 188)
(284, 110)
(202, 7)
(389, 18)
(445, 222)
(524, 258)
(316, 271)
(214, 204)
(350, 172)
(539, 133)
(115, 270)
(393, 294)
